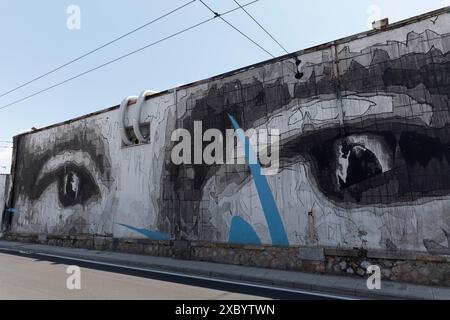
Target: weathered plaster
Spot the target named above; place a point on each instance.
(365, 153)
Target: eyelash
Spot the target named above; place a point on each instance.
(75, 185)
(415, 154)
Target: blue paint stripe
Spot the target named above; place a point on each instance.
(154, 235)
(242, 233)
(273, 217)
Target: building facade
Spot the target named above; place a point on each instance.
(364, 162)
(4, 187)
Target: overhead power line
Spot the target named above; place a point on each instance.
(264, 29)
(96, 49)
(235, 28)
(298, 74)
(123, 56)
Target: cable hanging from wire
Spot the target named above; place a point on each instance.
(96, 49)
(123, 56)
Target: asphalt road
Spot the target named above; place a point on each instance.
(34, 276)
(28, 278)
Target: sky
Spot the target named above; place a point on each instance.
(37, 36)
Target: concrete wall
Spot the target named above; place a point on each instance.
(365, 154)
(3, 192)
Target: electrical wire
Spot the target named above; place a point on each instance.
(298, 74)
(96, 49)
(237, 29)
(122, 57)
(264, 29)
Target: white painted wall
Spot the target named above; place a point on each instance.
(3, 178)
(132, 195)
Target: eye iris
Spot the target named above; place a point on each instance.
(72, 185)
(363, 164)
(76, 186)
(357, 163)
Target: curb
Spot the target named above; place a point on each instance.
(340, 285)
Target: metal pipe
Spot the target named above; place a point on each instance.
(123, 111)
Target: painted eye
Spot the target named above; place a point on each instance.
(359, 158)
(375, 164)
(76, 186)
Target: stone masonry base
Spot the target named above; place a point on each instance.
(401, 266)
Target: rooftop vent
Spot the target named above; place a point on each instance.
(380, 24)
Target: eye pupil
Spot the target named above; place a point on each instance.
(76, 185)
(72, 185)
(362, 164)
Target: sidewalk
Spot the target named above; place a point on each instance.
(348, 286)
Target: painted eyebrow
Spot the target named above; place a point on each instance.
(292, 117)
(82, 139)
(35, 158)
(79, 158)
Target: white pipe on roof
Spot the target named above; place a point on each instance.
(123, 111)
(137, 114)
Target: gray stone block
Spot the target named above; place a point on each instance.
(99, 241)
(312, 254)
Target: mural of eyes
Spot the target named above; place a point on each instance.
(75, 168)
(372, 164)
(358, 160)
(75, 184)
